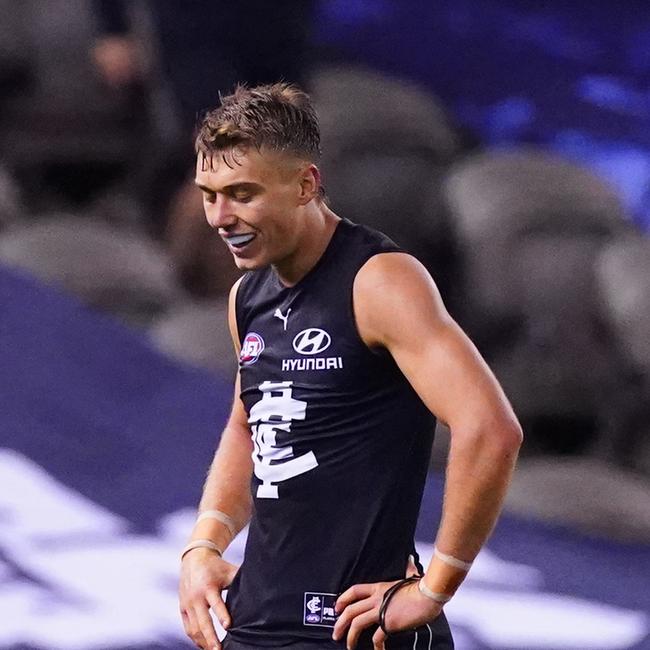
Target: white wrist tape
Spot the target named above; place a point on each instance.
(433, 595)
(219, 516)
(201, 543)
(452, 561)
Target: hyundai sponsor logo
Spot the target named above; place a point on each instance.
(322, 363)
(311, 341)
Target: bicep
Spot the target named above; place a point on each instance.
(450, 375)
(399, 307)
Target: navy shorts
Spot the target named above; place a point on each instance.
(435, 636)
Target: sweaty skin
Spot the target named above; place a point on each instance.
(397, 306)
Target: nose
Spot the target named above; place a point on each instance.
(220, 213)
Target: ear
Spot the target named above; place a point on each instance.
(309, 184)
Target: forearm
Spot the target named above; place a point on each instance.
(227, 488)
(479, 471)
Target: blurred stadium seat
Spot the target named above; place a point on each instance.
(11, 205)
(118, 271)
(361, 108)
(623, 280)
(15, 59)
(531, 227)
(386, 145)
(499, 199)
(197, 333)
(558, 363)
(623, 272)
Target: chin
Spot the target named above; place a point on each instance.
(250, 264)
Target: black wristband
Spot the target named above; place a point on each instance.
(388, 595)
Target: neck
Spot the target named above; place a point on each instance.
(318, 227)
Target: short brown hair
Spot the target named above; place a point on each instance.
(277, 116)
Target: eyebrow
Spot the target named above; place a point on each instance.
(232, 186)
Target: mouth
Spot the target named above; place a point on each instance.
(240, 240)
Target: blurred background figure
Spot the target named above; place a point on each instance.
(208, 47)
(505, 144)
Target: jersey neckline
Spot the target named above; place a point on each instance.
(320, 262)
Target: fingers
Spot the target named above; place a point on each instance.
(358, 625)
(349, 614)
(378, 639)
(192, 628)
(186, 621)
(219, 608)
(198, 624)
(357, 592)
(206, 627)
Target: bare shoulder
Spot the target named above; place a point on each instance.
(232, 296)
(232, 314)
(393, 295)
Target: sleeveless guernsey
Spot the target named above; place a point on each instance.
(341, 448)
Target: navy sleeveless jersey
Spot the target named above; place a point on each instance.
(341, 449)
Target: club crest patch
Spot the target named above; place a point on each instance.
(251, 349)
(319, 609)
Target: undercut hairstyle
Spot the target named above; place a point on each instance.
(279, 117)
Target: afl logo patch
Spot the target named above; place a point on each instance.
(311, 341)
(251, 349)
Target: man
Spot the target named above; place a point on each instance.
(346, 351)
